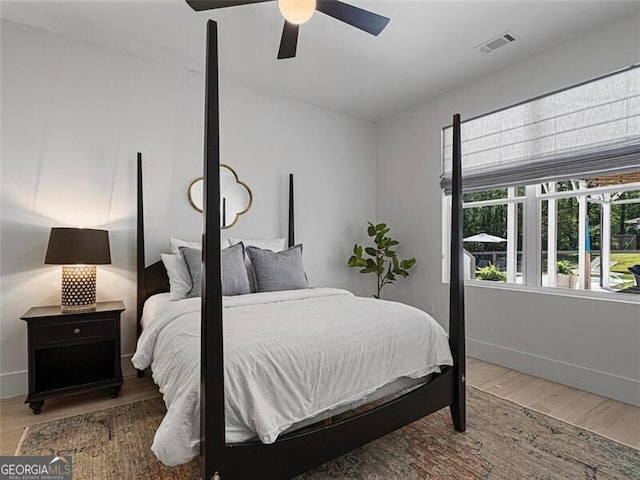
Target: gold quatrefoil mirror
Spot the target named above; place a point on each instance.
(235, 196)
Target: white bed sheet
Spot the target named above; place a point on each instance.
(289, 356)
(156, 302)
(152, 306)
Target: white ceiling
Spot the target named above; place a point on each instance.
(427, 48)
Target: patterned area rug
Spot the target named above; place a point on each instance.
(502, 441)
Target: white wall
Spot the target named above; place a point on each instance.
(332, 157)
(74, 115)
(588, 343)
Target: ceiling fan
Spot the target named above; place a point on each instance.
(297, 12)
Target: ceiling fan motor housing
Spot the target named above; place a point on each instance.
(297, 11)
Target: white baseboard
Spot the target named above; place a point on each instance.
(13, 384)
(624, 389)
(16, 383)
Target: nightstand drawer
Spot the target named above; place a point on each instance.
(74, 332)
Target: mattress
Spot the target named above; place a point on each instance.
(394, 389)
(291, 358)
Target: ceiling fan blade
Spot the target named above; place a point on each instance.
(357, 17)
(199, 5)
(289, 41)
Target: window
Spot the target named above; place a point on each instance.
(495, 242)
(493, 234)
(552, 188)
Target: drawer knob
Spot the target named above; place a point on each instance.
(76, 331)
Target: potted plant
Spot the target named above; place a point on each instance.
(491, 273)
(383, 261)
(565, 278)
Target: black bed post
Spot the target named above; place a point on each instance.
(291, 231)
(212, 425)
(140, 260)
(456, 292)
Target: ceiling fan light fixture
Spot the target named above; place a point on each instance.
(297, 12)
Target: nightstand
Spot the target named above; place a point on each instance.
(72, 352)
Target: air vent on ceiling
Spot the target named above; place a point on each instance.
(496, 42)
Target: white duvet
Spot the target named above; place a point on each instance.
(288, 356)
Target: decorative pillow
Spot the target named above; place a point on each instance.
(234, 273)
(276, 271)
(275, 245)
(179, 278)
(193, 258)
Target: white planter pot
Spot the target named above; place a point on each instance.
(566, 281)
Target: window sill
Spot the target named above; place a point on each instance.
(607, 296)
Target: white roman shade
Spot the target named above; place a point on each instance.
(586, 130)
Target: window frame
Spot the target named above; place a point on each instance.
(532, 250)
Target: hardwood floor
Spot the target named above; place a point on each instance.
(15, 415)
(609, 418)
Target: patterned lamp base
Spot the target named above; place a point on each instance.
(78, 287)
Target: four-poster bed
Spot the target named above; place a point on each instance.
(298, 451)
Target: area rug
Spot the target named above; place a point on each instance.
(503, 441)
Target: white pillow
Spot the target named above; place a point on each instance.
(179, 278)
(176, 243)
(275, 245)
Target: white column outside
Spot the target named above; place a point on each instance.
(605, 240)
(584, 267)
(532, 238)
(512, 237)
(552, 237)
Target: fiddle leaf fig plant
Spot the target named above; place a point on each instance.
(381, 259)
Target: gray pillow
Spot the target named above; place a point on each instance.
(193, 258)
(276, 271)
(234, 273)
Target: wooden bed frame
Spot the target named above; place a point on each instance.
(299, 451)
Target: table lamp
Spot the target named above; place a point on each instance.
(78, 250)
